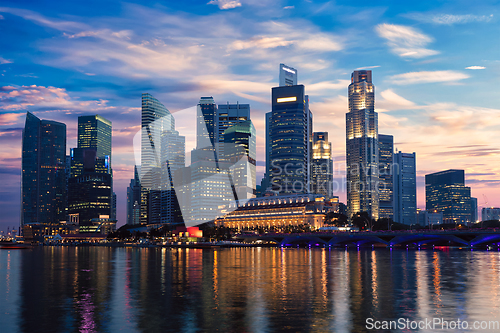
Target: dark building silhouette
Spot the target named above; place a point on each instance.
(386, 176)
(43, 181)
(90, 186)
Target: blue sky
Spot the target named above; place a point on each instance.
(435, 70)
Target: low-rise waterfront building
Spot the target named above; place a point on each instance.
(279, 211)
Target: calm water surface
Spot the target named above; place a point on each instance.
(99, 289)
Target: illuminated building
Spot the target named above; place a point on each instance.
(386, 176)
(445, 192)
(321, 165)
(229, 115)
(90, 186)
(290, 135)
(95, 132)
(490, 213)
(43, 180)
(362, 151)
(405, 188)
(427, 218)
(278, 211)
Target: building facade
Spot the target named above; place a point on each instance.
(321, 165)
(405, 188)
(362, 151)
(290, 135)
(288, 76)
(43, 179)
(386, 176)
(445, 192)
(278, 211)
(490, 213)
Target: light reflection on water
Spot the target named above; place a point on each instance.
(99, 289)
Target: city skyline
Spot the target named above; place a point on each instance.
(432, 94)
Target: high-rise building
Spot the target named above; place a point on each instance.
(362, 146)
(386, 176)
(240, 151)
(90, 187)
(155, 120)
(173, 155)
(473, 208)
(405, 188)
(288, 76)
(134, 199)
(290, 135)
(206, 123)
(95, 132)
(445, 192)
(321, 165)
(43, 181)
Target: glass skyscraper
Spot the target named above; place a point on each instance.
(43, 181)
(386, 176)
(405, 188)
(362, 146)
(290, 136)
(321, 165)
(445, 192)
(90, 186)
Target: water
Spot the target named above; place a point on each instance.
(99, 289)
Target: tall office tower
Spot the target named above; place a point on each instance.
(227, 116)
(90, 187)
(290, 135)
(405, 188)
(321, 165)
(173, 155)
(206, 123)
(445, 192)
(386, 176)
(288, 76)
(473, 208)
(240, 151)
(134, 199)
(154, 121)
(362, 146)
(43, 185)
(95, 132)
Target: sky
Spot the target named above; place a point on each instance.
(435, 69)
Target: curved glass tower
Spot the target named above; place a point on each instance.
(362, 146)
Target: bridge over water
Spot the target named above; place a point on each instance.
(389, 239)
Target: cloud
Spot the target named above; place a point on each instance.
(289, 7)
(428, 77)
(405, 41)
(475, 67)
(225, 4)
(41, 20)
(1, 17)
(260, 42)
(448, 19)
(4, 61)
(393, 99)
(7, 119)
(325, 86)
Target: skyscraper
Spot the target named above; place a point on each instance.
(155, 120)
(206, 123)
(362, 146)
(445, 192)
(43, 181)
(290, 135)
(321, 165)
(240, 151)
(405, 188)
(90, 187)
(386, 176)
(134, 199)
(288, 76)
(95, 132)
